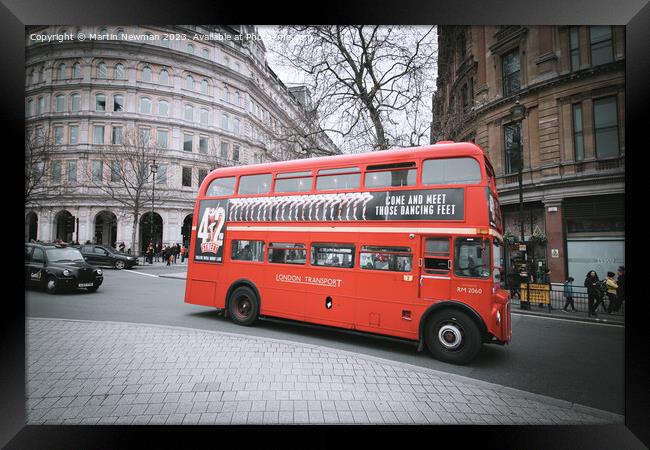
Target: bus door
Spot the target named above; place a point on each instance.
(435, 268)
(472, 280)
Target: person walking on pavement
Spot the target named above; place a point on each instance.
(612, 287)
(150, 251)
(183, 253)
(568, 295)
(620, 292)
(593, 292)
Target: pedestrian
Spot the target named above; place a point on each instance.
(177, 251)
(149, 252)
(568, 294)
(168, 255)
(612, 287)
(122, 246)
(157, 252)
(594, 295)
(183, 253)
(620, 292)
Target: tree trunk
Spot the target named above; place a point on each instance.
(134, 243)
(382, 143)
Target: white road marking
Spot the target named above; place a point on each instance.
(568, 320)
(141, 273)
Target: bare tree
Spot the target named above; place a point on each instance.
(129, 175)
(39, 150)
(372, 84)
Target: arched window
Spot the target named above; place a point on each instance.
(204, 116)
(190, 48)
(76, 70)
(62, 73)
(204, 87)
(41, 74)
(164, 41)
(101, 70)
(41, 105)
(100, 102)
(189, 83)
(164, 77)
(189, 113)
(146, 74)
(103, 32)
(121, 35)
(224, 121)
(238, 97)
(118, 103)
(226, 95)
(205, 53)
(236, 126)
(119, 72)
(30, 77)
(75, 100)
(145, 105)
(60, 103)
(163, 108)
(30, 107)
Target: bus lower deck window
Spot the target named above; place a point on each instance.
(332, 255)
(394, 259)
(247, 250)
(436, 255)
(287, 253)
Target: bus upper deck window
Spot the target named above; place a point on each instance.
(451, 171)
(341, 178)
(293, 182)
(255, 184)
(221, 186)
(389, 175)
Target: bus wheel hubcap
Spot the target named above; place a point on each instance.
(450, 336)
(243, 307)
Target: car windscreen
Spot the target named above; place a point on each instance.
(63, 254)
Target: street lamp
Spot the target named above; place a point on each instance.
(154, 169)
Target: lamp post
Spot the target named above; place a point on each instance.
(518, 112)
(154, 169)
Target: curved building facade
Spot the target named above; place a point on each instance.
(200, 97)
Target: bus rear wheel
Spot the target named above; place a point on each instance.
(243, 306)
(452, 336)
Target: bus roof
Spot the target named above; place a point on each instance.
(441, 150)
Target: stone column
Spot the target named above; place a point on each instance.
(556, 240)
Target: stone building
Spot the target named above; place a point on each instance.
(547, 102)
(201, 103)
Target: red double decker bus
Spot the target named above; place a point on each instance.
(403, 243)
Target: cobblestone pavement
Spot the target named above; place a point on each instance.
(86, 372)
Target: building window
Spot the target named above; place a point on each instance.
(235, 152)
(226, 61)
(121, 35)
(190, 48)
(73, 134)
(118, 103)
(165, 42)
(164, 77)
(465, 97)
(72, 171)
(238, 98)
(58, 135)
(203, 144)
(161, 176)
(205, 53)
(202, 174)
(163, 108)
(97, 169)
(101, 71)
(145, 105)
(161, 137)
(513, 147)
(144, 134)
(76, 70)
(98, 134)
(76, 102)
(224, 121)
(578, 140)
(100, 102)
(116, 169)
(574, 48)
(189, 113)
(226, 95)
(116, 135)
(56, 171)
(41, 74)
(187, 142)
(602, 51)
(60, 103)
(41, 105)
(189, 82)
(204, 117)
(62, 74)
(236, 126)
(511, 71)
(204, 87)
(224, 150)
(187, 176)
(119, 72)
(146, 74)
(606, 127)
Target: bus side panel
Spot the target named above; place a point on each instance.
(330, 297)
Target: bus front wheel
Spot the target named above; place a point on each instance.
(243, 306)
(452, 336)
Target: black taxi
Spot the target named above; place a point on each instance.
(57, 267)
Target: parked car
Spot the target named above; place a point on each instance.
(57, 267)
(105, 256)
